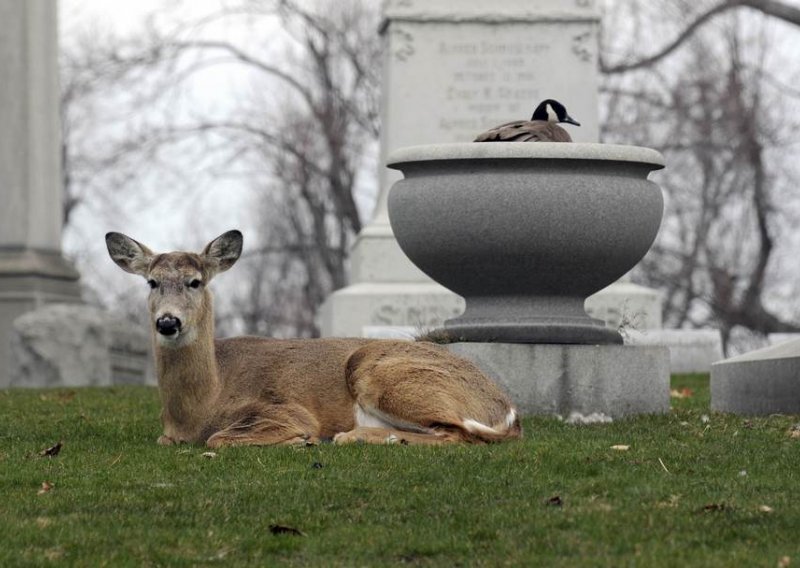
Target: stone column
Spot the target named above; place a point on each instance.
(32, 268)
(451, 71)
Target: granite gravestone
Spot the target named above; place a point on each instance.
(452, 70)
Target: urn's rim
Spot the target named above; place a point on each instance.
(525, 150)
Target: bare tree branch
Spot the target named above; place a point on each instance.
(775, 8)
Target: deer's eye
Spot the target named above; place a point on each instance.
(195, 283)
(152, 283)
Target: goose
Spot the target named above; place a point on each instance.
(542, 127)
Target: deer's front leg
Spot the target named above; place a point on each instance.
(265, 425)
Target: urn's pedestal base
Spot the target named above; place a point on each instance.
(610, 380)
(583, 331)
(528, 319)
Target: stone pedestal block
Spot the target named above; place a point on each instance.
(765, 381)
(71, 345)
(563, 380)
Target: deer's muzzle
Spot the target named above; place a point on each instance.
(168, 325)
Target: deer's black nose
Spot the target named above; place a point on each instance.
(168, 325)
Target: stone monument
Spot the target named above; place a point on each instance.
(452, 70)
(32, 270)
(43, 343)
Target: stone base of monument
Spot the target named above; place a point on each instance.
(765, 381)
(690, 350)
(574, 380)
(421, 306)
(70, 345)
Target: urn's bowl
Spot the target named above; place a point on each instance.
(526, 231)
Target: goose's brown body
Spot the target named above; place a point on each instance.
(526, 131)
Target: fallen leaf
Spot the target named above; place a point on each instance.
(784, 562)
(46, 486)
(60, 396)
(765, 509)
(621, 448)
(281, 529)
(221, 554)
(52, 451)
(682, 393)
(66, 396)
(794, 431)
(671, 503)
(209, 455)
(43, 522)
(554, 501)
(748, 424)
(54, 553)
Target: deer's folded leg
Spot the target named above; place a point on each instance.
(257, 425)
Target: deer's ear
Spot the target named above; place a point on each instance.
(131, 256)
(223, 252)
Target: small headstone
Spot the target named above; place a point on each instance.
(765, 381)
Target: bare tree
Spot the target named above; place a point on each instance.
(775, 8)
(297, 137)
(715, 113)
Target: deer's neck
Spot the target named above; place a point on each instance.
(189, 383)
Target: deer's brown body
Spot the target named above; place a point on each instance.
(252, 390)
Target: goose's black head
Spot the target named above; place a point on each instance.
(551, 110)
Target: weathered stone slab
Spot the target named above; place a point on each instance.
(765, 381)
(690, 350)
(72, 345)
(578, 380)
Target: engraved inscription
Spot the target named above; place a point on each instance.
(582, 46)
(423, 317)
(486, 82)
(403, 43)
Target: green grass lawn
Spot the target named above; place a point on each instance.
(694, 488)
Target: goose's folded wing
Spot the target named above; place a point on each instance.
(525, 131)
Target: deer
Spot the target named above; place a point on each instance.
(265, 391)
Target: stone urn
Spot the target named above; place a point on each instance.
(525, 232)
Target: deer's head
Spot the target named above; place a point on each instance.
(179, 301)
